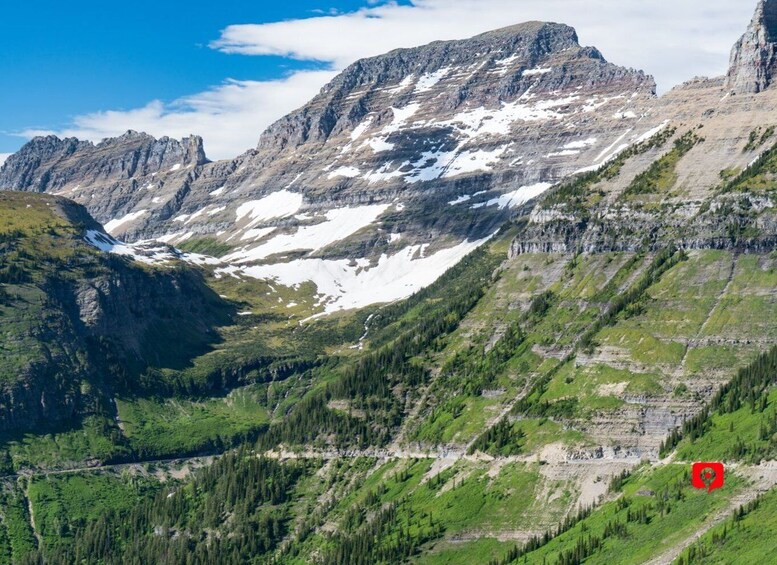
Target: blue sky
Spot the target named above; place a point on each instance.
(226, 69)
(62, 59)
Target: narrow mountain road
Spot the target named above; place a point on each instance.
(763, 477)
(458, 453)
(199, 461)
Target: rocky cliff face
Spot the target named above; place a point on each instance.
(49, 164)
(411, 156)
(715, 195)
(111, 178)
(77, 323)
(754, 57)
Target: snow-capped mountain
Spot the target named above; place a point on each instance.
(402, 165)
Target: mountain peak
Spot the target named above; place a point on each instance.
(532, 27)
(448, 77)
(754, 56)
(50, 163)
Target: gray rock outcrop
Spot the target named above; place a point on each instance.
(49, 164)
(754, 57)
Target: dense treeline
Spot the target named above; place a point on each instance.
(500, 439)
(377, 385)
(311, 417)
(541, 303)
(748, 389)
(234, 511)
(376, 533)
(230, 374)
(473, 370)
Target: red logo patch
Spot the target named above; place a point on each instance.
(709, 476)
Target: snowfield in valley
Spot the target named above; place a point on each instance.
(345, 284)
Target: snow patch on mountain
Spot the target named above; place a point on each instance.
(256, 233)
(564, 153)
(338, 224)
(537, 71)
(483, 121)
(582, 144)
(378, 144)
(447, 164)
(360, 129)
(503, 65)
(347, 172)
(401, 116)
(648, 134)
(618, 146)
(385, 173)
(112, 225)
(474, 161)
(428, 81)
(279, 204)
(147, 252)
(170, 237)
(345, 284)
(515, 198)
(460, 200)
(406, 83)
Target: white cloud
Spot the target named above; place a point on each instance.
(3, 157)
(230, 117)
(672, 42)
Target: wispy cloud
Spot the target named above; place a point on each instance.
(230, 117)
(674, 42)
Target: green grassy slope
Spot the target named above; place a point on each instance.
(485, 420)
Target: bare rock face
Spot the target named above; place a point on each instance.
(524, 105)
(754, 57)
(112, 178)
(48, 164)
(401, 157)
(100, 322)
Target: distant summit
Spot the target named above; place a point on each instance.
(754, 57)
(50, 164)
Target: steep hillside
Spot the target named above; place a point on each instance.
(572, 338)
(116, 351)
(79, 323)
(357, 506)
